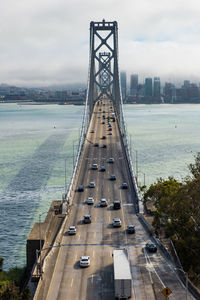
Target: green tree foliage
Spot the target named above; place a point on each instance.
(178, 209)
(9, 285)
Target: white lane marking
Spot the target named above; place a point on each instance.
(79, 236)
(150, 267)
(72, 281)
(92, 278)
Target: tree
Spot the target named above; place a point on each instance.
(178, 209)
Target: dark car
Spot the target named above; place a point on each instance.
(102, 169)
(87, 219)
(131, 229)
(104, 146)
(103, 137)
(112, 177)
(124, 185)
(80, 188)
(96, 145)
(151, 247)
(116, 204)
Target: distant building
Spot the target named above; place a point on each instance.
(123, 84)
(148, 87)
(156, 88)
(133, 84)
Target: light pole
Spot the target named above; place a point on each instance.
(136, 156)
(136, 164)
(74, 141)
(40, 235)
(40, 252)
(186, 281)
(65, 177)
(144, 176)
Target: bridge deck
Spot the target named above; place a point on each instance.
(99, 239)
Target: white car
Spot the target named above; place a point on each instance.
(117, 222)
(103, 203)
(72, 230)
(94, 167)
(90, 200)
(92, 184)
(84, 261)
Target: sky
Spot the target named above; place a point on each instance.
(46, 42)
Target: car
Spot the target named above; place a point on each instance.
(103, 169)
(109, 125)
(151, 247)
(131, 229)
(103, 111)
(103, 137)
(116, 204)
(87, 219)
(103, 122)
(90, 200)
(72, 230)
(113, 177)
(117, 222)
(92, 131)
(111, 160)
(110, 129)
(124, 185)
(104, 146)
(80, 188)
(103, 202)
(104, 117)
(84, 261)
(94, 167)
(109, 133)
(96, 145)
(92, 184)
(99, 109)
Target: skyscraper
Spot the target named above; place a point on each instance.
(148, 87)
(123, 84)
(134, 84)
(156, 87)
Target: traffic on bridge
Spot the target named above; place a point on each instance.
(101, 159)
(104, 251)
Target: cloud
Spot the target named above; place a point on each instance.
(47, 42)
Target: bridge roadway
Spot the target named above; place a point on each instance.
(150, 272)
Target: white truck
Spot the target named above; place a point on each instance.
(122, 274)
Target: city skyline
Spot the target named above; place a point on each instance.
(50, 43)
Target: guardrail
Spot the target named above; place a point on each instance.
(84, 128)
(123, 134)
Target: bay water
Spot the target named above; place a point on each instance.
(37, 143)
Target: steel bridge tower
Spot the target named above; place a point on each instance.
(103, 66)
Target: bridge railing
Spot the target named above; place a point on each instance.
(123, 132)
(84, 128)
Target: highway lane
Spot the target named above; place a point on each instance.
(150, 272)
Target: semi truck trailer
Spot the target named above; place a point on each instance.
(122, 274)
